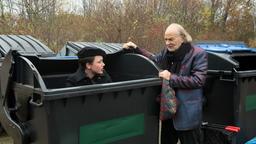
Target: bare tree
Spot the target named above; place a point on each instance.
(89, 6)
(214, 6)
(254, 17)
(2, 9)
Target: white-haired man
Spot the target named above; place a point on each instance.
(185, 67)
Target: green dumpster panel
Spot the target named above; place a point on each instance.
(250, 102)
(112, 130)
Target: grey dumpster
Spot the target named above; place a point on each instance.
(38, 108)
(231, 87)
(23, 44)
(229, 90)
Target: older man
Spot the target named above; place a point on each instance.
(91, 68)
(185, 67)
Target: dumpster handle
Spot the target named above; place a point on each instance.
(233, 79)
(36, 100)
(226, 79)
(38, 104)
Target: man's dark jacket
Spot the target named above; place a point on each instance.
(187, 82)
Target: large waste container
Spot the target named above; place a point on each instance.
(38, 108)
(23, 44)
(226, 92)
(230, 90)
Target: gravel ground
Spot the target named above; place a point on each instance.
(5, 139)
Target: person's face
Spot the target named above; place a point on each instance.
(172, 40)
(97, 66)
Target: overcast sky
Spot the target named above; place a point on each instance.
(72, 5)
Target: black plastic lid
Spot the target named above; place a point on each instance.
(24, 44)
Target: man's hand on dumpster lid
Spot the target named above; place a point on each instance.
(129, 45)
(165, 74)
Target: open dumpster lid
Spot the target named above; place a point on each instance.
(224, 46)
(24, 44)
(71, 48)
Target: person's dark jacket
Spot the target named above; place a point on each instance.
(79, 78)
(188, 77)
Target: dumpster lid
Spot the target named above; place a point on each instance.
(24, 44)
(224, 46)
(221, 62)
(74, 47)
